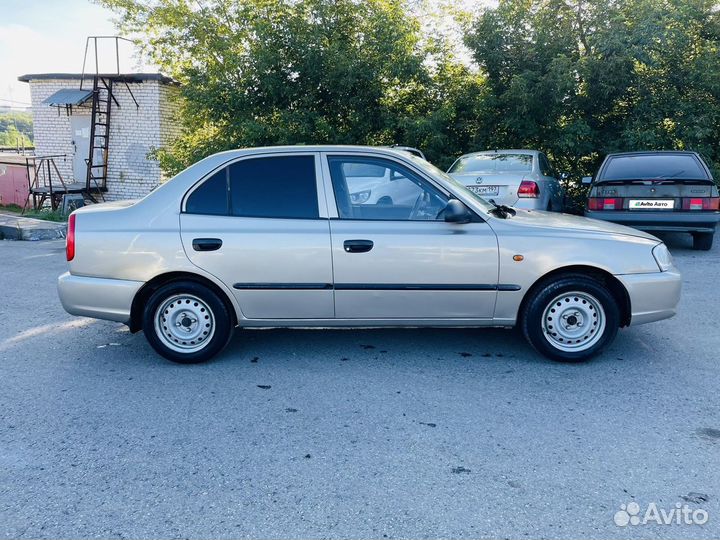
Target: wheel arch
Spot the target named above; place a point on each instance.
(142, 296)
(616, 288)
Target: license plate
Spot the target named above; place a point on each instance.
(651, 204)
(485, 190)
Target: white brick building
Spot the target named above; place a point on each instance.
(135, 130)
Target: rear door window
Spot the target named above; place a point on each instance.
(274, 187)
(653, 166)
(211, 197)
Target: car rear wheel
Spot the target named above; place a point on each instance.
(703, 241)
(186, 322)
(571, 318)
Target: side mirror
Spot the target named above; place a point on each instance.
(587, 180)
(457, 212)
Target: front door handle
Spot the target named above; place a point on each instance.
(206, 244)
(358, 246)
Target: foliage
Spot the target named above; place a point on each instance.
(586, 78)
(47, 214)
(258, 72)
(15, 127)
(575, 78)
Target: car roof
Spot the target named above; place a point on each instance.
(504, 151)
(300, 148)
(653, 152)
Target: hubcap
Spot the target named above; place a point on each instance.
(184, 323)
(574, 321)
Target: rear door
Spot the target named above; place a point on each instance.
(260, 225)
(399, 259)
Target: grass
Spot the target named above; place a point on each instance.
(47, 215)
(44, 213)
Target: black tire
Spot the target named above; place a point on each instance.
(204, 307)
(703, 241)
(590, 292)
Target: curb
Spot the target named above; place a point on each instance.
(30, 229)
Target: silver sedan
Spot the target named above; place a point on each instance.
(520, 178)
(271, 237)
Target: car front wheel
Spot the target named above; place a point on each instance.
(571, 318)
(186, 322)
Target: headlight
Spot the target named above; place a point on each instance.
(360, 197)
(662, 257)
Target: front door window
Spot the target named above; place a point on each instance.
(379, 189)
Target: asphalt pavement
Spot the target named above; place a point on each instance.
(353, 434)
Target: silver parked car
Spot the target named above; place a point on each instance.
(519, 178)
(270, 237)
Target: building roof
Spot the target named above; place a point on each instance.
(123, 77)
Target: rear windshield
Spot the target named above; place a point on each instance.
(493, 163)
(682, 167)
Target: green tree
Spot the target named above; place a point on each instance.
(258, 72)
(587, 77)
(15, 128)
(576, 78)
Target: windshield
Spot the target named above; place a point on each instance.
(653, 166)
(432, 170)
(493, 163)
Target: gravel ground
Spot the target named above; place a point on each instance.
(352, 434)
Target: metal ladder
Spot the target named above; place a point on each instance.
(97, 172)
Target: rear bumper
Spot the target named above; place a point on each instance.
(100, 298)
(653, 296)
(661, 221)
(530, 203)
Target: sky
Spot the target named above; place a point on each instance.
(44, 36)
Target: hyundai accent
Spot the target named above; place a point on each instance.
(271, 237)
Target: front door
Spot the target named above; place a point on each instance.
(256, 225)
(80, 136)
(394, 256)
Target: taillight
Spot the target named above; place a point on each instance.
(70, 240)
(528, 188)
(603, 203)
(701, 203)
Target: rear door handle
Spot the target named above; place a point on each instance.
(206, 244)
(358, 246)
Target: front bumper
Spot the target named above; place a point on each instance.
(687, 221)
(100, 298)
(653, 296)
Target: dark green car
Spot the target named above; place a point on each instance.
(657, 191)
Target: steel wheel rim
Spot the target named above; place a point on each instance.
(574, 321)
(184, 323)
